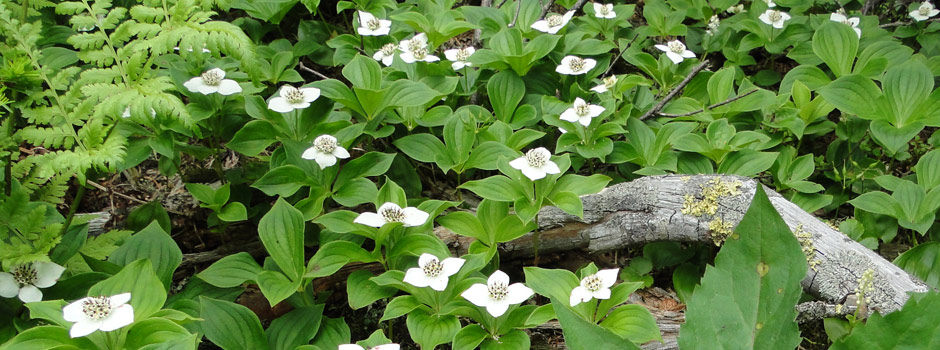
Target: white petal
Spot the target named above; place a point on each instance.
(194, 84)
(451, 54)
(578, 295)
(365, 17)
(340, 152)
(350, 347)
(218, 71)
(603, 293)
(387, 206)
(598, 8)
(414, 217)
(208, 89)
(498, 277)
(533, 173)
(423, 38)
(470, 50)
(602, 88)
(300, 105)
(403, 45)
(310, 94)
(458, 65)
(933, 13)
(29, 293)
(431, 58)
(579, 101)
(688, 54)
(858, 32)
(551, 168)
(378, 55)
(73, 312)
(569, 115)
(309, 153)
(916, 15)
(415, 276)
(519, 163)
(497, 308)
(451, 266)
(387, 60)
(595, 110)
(589, 64)
(119, 299)
(566, 18)
(477, 294)
(8, 286)
(384, 24)
(121, 316)
(541, 26)
(837, 17)
(585, 120)
(765, 17)
(407, 57)
(84, 327)
(425, 258)
(662, 48)
(608, 277)
(228, 87)
(280, 104)
(387, 347)
(517, 293)
(778, 24)
(324, 160)
(610, 15)
(438, 283)
(565, 69)
(674, 57)
(370, 219)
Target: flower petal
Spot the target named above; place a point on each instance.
(208, 89)
(595, 110)
(119, 299)
(310, 94)
(309, 153)
(564, 69)
(585, 120)
(589, 64)
(425, 258)
(47, 273)
(324, 160)
(414, 217)
(477, 295)
(121, 316)
(194, 84)
(519, 163)
(407, 57)
(837, 17)
(438, 283)
(280, 104)
(497, 308)
(8, 286)
(370, 219)
(517, 293)
(84, 327)
(688, 54)
(451, 54)
(603, 293)
(387, 347)
(340, 152)
(73, 312)
(350, 347)
(662, 48)
(365, 17)
(498, 277)
(218, 71)
(541, 26)
(29, 293)
(228, 87)
(577, 296)
(387, 60)
(451, 266)
(533, 173)
(415, 276)
(569, 115)
(551, 168)
(387, 206)
(600, 89)
(674, 57)
(608, 277)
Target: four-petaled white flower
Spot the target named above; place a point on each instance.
(924, 11)
(392, 346)
(770, 3)
(94, 313)
(211, 81)
(416, 49)
(369, 25)
(324, 151)
(386, 54)
(459, 57)
(675, 50)
(391, 212)
(536, 163)
(852, 22)
(604, 10)
(291, 98)
(574, 65)
(581, 112)
(433, 272)
(594, 286)
(26, 279)
(552, 23)
(774, 18)
(608, 84)
(497, 294)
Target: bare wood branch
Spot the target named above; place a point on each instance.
(719, 104)
(310, 70)
(620, 54)
(545, 8)
(516, 16)
(904, 23)
(869, 5)
(478, 32)
(675, 90)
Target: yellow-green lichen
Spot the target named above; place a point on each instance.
(712, 191)
(806, 242)
(720, 230)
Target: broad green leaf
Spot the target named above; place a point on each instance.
(369, 164)
(854, 94)
(429, 330)
(915, 326)
(496, 187)
(232, 212)
(764, 263)
(144, 214)
(552, 283)
(139, 279)
(282, 181)
(232, 326)
(894, 138)
(157, 330)
(363, 72)
(421, 147)
(928, 170)
(906, 86)
(836, 44)
(333, 256)
(922, 261)
(154, 244)
(276, 287)
(49, 310)
(362, 292)
(253, 137)
(333, 332)
(47, 337)
(581, 334)
(400, 305)
(282, 232)
(512, 340)
(231, 271)
(747, 162)
(878, 202)
(465, 224)
(355, 192)
(505, 90)
(295, 328)
(721, 85)
(469, 337)
(633, 322)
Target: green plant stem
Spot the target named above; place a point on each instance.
(536, 233)
(8, 167)
(73, 208)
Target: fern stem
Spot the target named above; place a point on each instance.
(73, 208)
(110, 45)
(8, 167)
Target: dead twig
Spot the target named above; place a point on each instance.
(612, 62)
(545, 8)
(310, 70)
(119, 194)
(516, 16)
(675, 90)
(904, 23)
(719, 104)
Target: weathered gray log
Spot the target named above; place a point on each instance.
(652, 209)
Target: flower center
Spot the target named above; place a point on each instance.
(97, 308)
(775, 16)
(555, 20)
(577, 64)
(846, 21)
(432, 268)
(294, 95)
(610, 81)
(372, 24)
(676, 47)
(535, 158)
(414, 45)
(211, 78)
(419, 53)
(24, 274)
(388, 49)
(592, 283)
(924, 9)
(605, 10)
(497, 291)
(463, 54)
(392, 214)
(325, 144)
(582, 109)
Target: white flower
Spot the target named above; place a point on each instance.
(94, 313)
(536, 163)
(552, 23)
(497, 294)
(604, 10)
(581, 112)
(925, 11)
(609, 83)
(594, 286)
(369, 25)
(770, 3)
(211, 81)
(574, 65)
(416, 49)
(391, 212)
(291, 98)
(774, 18)
(675, 50)
(459, 57)
(26, 279)
(433, 272)
(852, 22)
(392, 346)
(386, 54)
(325, 150)
(736, 9)
(712, 26)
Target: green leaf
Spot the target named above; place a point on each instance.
(157, 330)
(231, 326)
(355, 192)
(552, 283)
(893, 138)
(333, 332)
(765, 264)
(928, 170)
(137, 278)
(363, 72)
(836, 44)
(854, 94)
(421, 147)
(915, 326)
(633, 322)
(154, 244)
(878, 202)
(282, 232)
(253, 138)
(71, 243)
(465, 224)
(568, 202)
(144, 214)
(399, 306)
(429, 330)
(231, 271)
(584, 335)
(581, 185)
(282, 181)
(369, 164)
(721, 85)
(362, 292)
(512, 340)
(747, 162)
(295, 328)
(922, 261)
(232, 212)
(333, 256)
(505, 90)
(906, 86)
(47, 337)
(276, 287)
(49, 310)
(469, 337)
(496, 187)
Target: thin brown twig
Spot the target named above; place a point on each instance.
(119, 194)
(903, 23)
(545, 8)
(614, 61)
(516, 16)
(310, 70)
(675, 90)
(719, 104)
(869, 5)
(501, 3)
